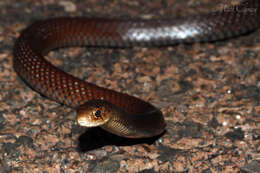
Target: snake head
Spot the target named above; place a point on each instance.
(94, 113)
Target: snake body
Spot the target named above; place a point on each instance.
(116, 112)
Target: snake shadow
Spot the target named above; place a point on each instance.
(94, 138)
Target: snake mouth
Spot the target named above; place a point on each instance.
(84, 121)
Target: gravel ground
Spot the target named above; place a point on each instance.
(209, 94)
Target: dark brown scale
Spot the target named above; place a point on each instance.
(42, 36)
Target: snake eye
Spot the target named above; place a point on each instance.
(97, 113)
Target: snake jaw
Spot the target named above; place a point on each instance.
(88, 122)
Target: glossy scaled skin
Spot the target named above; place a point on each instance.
(130, 117)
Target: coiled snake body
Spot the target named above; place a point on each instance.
(116, 112)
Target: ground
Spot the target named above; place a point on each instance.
(209, 94)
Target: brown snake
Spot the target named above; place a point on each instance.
(116, 112)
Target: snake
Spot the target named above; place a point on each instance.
(118, 113)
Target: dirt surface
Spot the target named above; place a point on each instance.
(209, 94)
